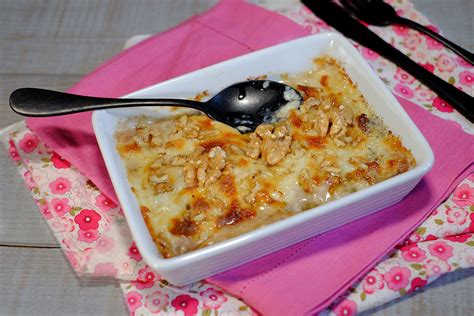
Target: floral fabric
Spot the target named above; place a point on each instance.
(421, 48)
(93, 233)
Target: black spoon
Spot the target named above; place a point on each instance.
(244, 105)
(335, 16)
(377, 12)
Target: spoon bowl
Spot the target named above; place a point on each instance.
(377, 12)
(243, 105)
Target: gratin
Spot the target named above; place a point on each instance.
(199, 182)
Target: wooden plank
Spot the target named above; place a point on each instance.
(93, 19)
(451, 294)
(56, 55)
(74, 37)
(20, 220)
(41, 282)
(10, 82)
(454, 18)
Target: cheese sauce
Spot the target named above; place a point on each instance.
(199, 181)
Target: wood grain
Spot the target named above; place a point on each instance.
(20, 221)
(74, 37)
(454, 18)
(52, 44)
(41, 282)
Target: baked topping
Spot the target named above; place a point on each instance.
(202, 182)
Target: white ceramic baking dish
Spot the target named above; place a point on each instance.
(290, 57)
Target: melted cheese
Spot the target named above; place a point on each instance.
(199, 181)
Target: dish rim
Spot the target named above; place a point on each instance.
(154, 257)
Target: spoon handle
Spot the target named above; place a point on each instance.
(40, 103)
(455, 48)
(337, 17)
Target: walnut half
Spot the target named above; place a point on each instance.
(205, 168)
(269, 142)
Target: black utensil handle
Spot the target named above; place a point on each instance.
(455, 48)
(335, 16)
(39, 102)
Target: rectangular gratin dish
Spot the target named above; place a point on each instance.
(291, 57)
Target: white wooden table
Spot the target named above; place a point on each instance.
(52, 44)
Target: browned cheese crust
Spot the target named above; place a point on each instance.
(199, 181)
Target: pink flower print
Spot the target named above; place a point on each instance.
(369, 54)
(428, 67)
(433, 28)
(44, 210)
(29, 142)
(458, 238)
(60, 186)
(87, 219)
(445, 63)
(105, 244)
(404, 91)
(463, 195)
(68, 224)
(416, 284)
(470, 229)
(400, 30)
(403, 76)
(456, 215)
(373, 282)
(87, 236)
(441, 105)
(186, 304)
(415, 237)
(412, 253)
(126, 268)
(433, 44)
(413, 41)
(462, 62)
(13, 152)
(30, 183)
(134, 301)
(134, 253)
(466, 78)
(397, 278)
(421, 55)
(213, 298)
(467, 258)
(424, 95)
(345, 308)
(60, 206)
(441, 250)
(59, 162)
(146, 279)
(104, 203)
(72, 257)
(63, 224)
(430, 237)
(436, 267)
(105, 269)
(155, 301)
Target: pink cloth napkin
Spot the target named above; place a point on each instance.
(230, 29)
(300, 279)
(305, 278)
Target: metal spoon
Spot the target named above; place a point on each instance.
(244, 105)
(377, 12)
